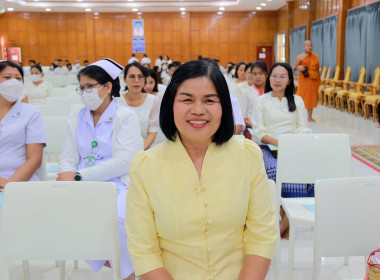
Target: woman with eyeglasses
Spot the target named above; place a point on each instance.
(280, 111)
(146, 106)
(101, 141)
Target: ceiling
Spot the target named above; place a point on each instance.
(141, 5)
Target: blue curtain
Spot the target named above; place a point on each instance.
(297, 37)
(317, 39)
(330, 27)
(323, 37)
(373, 40)
(356, 40)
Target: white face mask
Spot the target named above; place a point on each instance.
(77, 65)
(36, 77)
(11, 89)
(92, 100)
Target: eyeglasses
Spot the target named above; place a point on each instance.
(276, 76)
(86, 88)
(133, 77)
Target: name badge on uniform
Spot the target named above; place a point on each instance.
(90, 161)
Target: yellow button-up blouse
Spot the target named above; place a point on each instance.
(199, 228)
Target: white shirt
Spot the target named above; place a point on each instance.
(126, 141)
(37, 94)
(273, 117)
(240, 87)
(158, 63)
(145, 60)
(61, 71)
(238, 116)
(148, 113)
(132, 59)
(22, 125)
(248, 102)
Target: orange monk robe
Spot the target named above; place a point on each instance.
(308, 87)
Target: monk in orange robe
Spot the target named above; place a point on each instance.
(308, 85)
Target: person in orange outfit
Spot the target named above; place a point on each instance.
(307, 63)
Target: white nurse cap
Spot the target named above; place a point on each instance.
(111, 67)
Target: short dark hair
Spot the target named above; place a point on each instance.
(154, 75)
(247, 67)
(101, 76)
(190, 70)
(6, 63)
(33, 61)
(36, 66)
(237, 68)
(289, 90)
(260, 64)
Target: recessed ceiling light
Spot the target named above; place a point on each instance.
(269, 0)
(135, 10)
(79, 0)
(10, 9)
(263, 4)
(222, 9)
(48, 9)
(36, 0)
(258, 8)
(88, 9)
(182, 9)
(130, 0)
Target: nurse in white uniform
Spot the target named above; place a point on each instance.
(101, 141)
(22, 133)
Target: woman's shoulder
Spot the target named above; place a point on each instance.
(298, 100)
(153, 156)
(124, 112)
(242, 145)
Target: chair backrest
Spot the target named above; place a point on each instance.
(361, 75)
(323, 73)
(59, 221)
(62, 104)
(328, 74)
(336, 73)
(376, 77)
(305, 158)
(55, 128)
(347, 77)
(346, 223)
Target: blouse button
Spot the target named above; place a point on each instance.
(102, 158)
(209, 263)
(207, 233)
(209, 249)
(209, 221)
(205, 203)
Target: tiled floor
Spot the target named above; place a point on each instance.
(328, 121)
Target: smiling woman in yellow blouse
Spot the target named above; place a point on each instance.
(206, 212)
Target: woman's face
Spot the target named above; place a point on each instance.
(197, 110)
(241, 73)
(10, 73)
(35, 71)
(258, 76)
(135, 79)
(86, 83)
(149, 85)
(279, 78)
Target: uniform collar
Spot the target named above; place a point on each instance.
(16, 110)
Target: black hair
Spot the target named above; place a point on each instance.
(247, 67)
(102, 77)
(135, 64)
(133, 54)
(153, 74)
(160, 57)
(6, 63)
(38, 67)
(260, 64)
(190, 70)
(172, 65)
(237, 68)
(145, 55)
(33, 61)
(289, 90)
(59, 60)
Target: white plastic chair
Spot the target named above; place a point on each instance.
(276, 261)
(59, 92)
(305, 158)
(62, 104)
(59, 220)
(47, 110)
(346, 223)
(55, 128)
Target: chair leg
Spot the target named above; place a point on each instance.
(62, 268)
(356, 104)
(276, 262)
(374, 110)
(25, 265)
(346, 260)
(348, 106)
(316, 266)
(292, 241)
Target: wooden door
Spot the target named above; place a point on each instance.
(265, 53)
